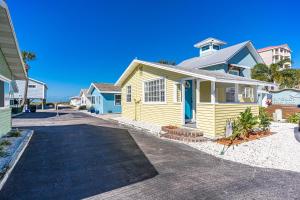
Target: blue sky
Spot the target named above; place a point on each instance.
(79, 42)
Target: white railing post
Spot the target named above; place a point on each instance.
(213, 92)
(236, 93)
(197, 91)
(183, 101)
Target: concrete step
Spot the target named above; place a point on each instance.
(186, 132)
(183, 138)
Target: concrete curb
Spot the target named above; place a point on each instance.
(18, 114)
(16, 156)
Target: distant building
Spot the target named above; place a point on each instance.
(274, 54)
(105, 98)
(85, 99)
(75, 101)
(37, 90)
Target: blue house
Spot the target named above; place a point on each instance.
(105, 98)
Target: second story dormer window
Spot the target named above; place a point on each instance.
(205, 48)
(216, 47)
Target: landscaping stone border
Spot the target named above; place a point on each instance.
(15, 152)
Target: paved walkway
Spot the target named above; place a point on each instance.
(76, 156)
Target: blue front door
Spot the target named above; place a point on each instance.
(188, 100)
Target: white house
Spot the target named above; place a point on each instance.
(85, 99)
(37, 90)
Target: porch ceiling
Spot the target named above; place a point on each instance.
(9, 44)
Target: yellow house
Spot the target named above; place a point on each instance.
(202, 92)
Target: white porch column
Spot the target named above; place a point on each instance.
(213, 92)
(197, 91)
(183, 101)
(236, 93)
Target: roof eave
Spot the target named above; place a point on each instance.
(22, 76)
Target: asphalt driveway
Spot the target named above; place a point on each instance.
(76, 156)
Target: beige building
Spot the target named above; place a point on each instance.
(274, 54)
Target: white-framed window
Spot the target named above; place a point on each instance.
(93, 99)
(128, 93)
(177, 93)
(154, 91)
(234, 72)
(117, 99)
(230, 94)
(248, 92)
(216, 47)
(205, 48)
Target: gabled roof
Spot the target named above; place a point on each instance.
(9, 44)
(210, 39)
(274, 47)
(221, 56)
(193, 72)
(83, 91)
(40, 82)
(104, 88)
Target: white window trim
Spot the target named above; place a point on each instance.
(126, 90)
(154, 79)
(175, 97)
(234, 70)
(115, 99)
(251, 92)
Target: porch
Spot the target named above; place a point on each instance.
(207, 105)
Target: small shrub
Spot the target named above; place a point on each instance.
(247, 122)
(2, 152)
(294, 118)
(264, 119)
(14, 133)
(5, 143)
(82, 108)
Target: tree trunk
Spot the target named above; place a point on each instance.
(25, 93)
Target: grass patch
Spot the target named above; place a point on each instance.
(14, 133)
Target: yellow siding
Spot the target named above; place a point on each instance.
(224, 112)
(205, 90)
(169, 113)
(205, 116)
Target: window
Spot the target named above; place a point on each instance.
(177, 93)
(204, 48)
(93, 99)
(234, 72)
(216, 47)
(248, 92)
(230, 94)
(32, 86)
(128, 93)
(117, 100)
(154, 90)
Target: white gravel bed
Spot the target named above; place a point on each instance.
(13, 149)
(279, 151)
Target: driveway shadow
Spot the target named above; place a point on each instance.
(297, 134)
(75, 162)
(37, 115)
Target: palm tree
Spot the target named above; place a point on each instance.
(27, 57)
(270, 73)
